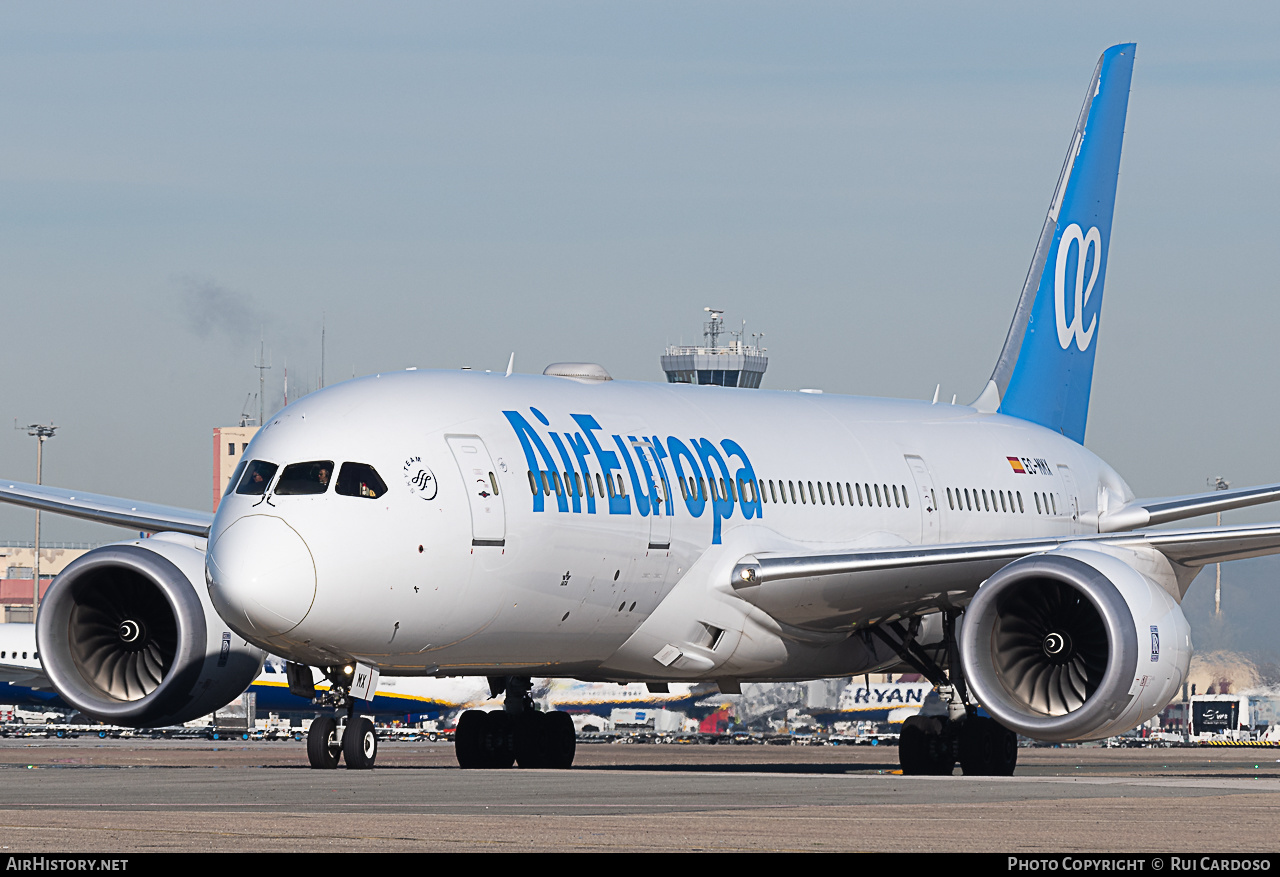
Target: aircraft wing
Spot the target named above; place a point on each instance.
(1148, 512)
(838, 591)
(107, 509)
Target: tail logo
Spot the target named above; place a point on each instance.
(1074, 330)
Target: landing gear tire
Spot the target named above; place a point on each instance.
(360, 744)
(500, 740)
(531, 740)
(926, 747)
(987, 748)
(485, 740)
(562, 740)
(545, 740)
(323, 747)
(468, 737)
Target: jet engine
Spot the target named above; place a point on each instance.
(128, 636)
(1076, 644)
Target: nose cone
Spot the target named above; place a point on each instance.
(262, 573)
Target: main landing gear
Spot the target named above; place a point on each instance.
(331, 739)
(516, 734)
(949, 729)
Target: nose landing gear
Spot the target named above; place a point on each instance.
(330, 740)
(517, 734)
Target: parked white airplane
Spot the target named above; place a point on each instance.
(24, 682)
(566, 525)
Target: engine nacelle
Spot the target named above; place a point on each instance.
(1075, 644)
(128, 636)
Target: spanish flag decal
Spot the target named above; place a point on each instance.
(1017, 465)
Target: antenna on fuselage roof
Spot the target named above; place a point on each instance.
(511, 364)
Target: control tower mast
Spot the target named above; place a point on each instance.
(737, 364)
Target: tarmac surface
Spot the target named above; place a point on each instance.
(128, 795)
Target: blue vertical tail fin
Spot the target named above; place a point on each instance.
(1045, 370)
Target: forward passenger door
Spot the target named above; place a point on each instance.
(480, 480)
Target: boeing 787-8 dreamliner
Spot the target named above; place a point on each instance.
(456, 523)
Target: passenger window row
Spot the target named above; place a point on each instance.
(793, 492)
(978, 500)
(739, 490)
(308, 479)
(816, 493)
(574, 484)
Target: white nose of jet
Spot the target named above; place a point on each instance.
(260, 570)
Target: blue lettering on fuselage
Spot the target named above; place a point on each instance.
(722, 494)
(694, 501)
(703, 470)
(660, 453)
(608, 460)
(642, 495)
(533, 447)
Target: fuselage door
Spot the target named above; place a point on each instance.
(480, 479)
(927, 500)
(657, 490)
(1069, 486)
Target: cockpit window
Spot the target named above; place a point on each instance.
(360, 479)
(257, 475)
(235, 477)
(305, 479)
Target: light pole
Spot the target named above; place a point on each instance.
(1218, 483)
(41, 432)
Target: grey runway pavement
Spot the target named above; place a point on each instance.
(138, 796)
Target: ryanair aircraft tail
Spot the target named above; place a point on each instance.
(1045, 370)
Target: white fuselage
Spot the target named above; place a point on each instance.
(18, 647)
(443, 574)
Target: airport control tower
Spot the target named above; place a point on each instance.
(737, 364)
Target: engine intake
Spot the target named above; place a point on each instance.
(1055, 646)
(127, 636)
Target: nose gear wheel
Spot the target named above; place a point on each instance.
(329, 741)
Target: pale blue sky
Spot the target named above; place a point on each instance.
(451, 182)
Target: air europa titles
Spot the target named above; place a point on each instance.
(696, 472)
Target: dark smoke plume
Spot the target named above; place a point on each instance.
(213, 311)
